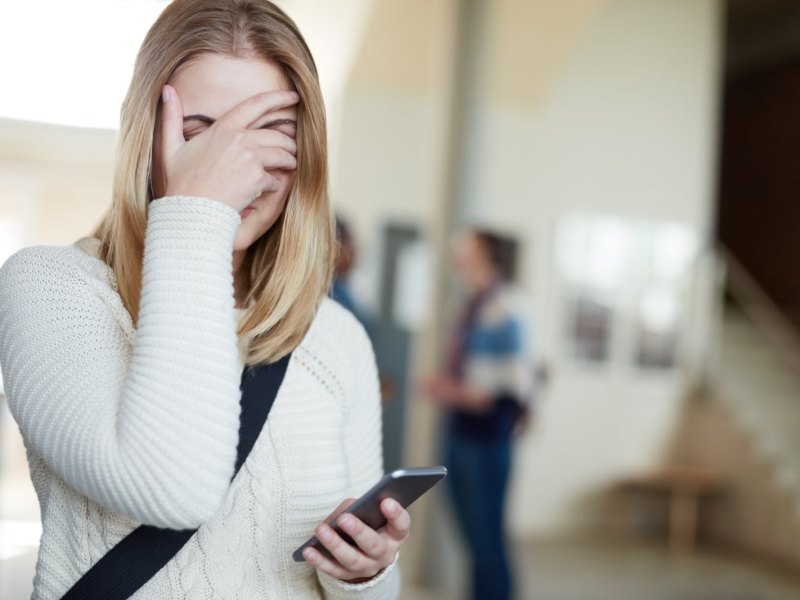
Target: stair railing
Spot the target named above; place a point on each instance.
(762, 311)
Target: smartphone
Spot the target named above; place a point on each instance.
(403, 485)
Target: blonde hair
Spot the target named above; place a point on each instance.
(289, 268)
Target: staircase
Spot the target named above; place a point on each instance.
(754, 382)
(745, 424)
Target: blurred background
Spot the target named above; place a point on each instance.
(643, 154)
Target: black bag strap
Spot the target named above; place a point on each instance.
(143, 552)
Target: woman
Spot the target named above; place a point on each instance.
(484, 389)
(123, 353)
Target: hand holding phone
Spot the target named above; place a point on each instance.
(403, 486)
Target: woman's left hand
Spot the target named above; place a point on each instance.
(451, 393)
(374, 550)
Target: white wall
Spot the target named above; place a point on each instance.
(389, 162)
(627, 129)
(618, 118)
(55, 181)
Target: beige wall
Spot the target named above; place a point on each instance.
(391, 151)
(628, 128)
(604, 107)
(55, 182)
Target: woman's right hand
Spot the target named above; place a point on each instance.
(228, 162)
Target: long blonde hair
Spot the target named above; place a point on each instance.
(289, 268)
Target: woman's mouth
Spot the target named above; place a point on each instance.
(246, 211)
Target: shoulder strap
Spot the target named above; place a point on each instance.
(143, 552)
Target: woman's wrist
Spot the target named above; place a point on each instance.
(366, 581)
(359, 580)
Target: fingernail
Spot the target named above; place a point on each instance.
(325, 534)
(165, 94)
(346, 521)
(391, 505)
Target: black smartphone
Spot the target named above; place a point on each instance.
(402, 485)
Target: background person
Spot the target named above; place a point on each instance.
(484, 389)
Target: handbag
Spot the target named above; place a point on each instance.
(142, 553)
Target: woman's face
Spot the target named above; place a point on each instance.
(209, 86)
(469, 258)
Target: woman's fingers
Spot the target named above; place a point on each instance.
(246, 114)
(325, 564)
(277, 158)
(350, 557)
(368, 540)
(269, 183)
(398, 521)
(272, 138)
(171, 122)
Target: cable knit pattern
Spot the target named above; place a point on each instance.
(127, 426)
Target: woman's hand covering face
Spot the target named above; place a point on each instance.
(229, 161)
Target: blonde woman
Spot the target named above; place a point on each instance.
(123, 354)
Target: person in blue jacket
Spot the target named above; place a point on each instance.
(340, 289)
(484, 388)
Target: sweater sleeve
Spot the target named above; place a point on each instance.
(364, 450)
(150, 433)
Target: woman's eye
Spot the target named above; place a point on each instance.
(190, 133)
(289, 129)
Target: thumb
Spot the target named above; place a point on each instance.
(398, 521)
(171, 122)
(340, 509)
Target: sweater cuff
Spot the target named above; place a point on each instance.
(384, 586)
(188, 208)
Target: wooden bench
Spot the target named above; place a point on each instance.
(684, 488)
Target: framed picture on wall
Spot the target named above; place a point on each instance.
(624, 288)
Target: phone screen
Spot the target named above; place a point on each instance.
(403, 485)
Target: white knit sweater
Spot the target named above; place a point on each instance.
(127, 426)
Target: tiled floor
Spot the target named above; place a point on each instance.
(560, 571)
(589, 571)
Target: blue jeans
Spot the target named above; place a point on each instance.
(478, 471)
